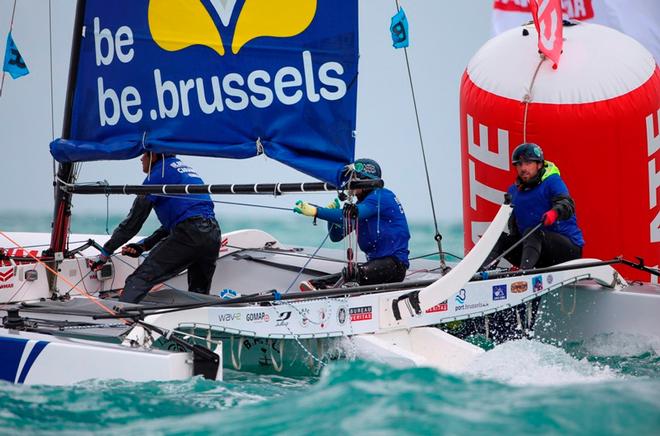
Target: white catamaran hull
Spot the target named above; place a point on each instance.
(295, 335)
(33, 358)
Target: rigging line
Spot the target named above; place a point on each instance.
(107, 214)
(284, 253)
(47, 245)
(13, 11)
(235, 203)
(52, 104)
(11, 26)
(64, 279)
(157, 287)
(9, 301)
(437, 236)
(433, 254)
(307, 263)
(527, 99)
(82, 278)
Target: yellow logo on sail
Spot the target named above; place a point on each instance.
(178, 24)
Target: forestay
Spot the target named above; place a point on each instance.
(222, 79)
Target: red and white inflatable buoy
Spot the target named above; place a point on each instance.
(596, 118)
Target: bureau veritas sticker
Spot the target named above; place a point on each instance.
(361, 313)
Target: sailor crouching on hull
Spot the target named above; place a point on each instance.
(382, 232)
(539, 195)
(189, 236)
(543, 231)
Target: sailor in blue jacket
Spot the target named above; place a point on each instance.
(189, 236)
(382, 232)
(539, 195)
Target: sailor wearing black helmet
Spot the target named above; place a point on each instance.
(382, 231)
(539, 195)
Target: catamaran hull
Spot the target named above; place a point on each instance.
(584, 311)
(33, 358)
(294, 336)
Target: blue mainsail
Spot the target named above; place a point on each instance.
(219, 78)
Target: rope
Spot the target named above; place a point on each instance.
(437, 236)
(156, 288)
(527, 99)
(52, 102)
(107, 214)
(11, 26)
(9, 302)
(64, 279)
(236, 203)
(50, 42)
(307, 263)
(433, 254)
(285, 253)
(350, 224)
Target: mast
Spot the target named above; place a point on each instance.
(62, 210)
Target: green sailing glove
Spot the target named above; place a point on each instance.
(304, 208)
(334, 204)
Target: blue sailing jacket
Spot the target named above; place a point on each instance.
(171, 210)
(529, 205)
(382, 226)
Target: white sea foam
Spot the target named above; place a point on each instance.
(526, 362)
(621, 344)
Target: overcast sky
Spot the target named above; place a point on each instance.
(444, 36)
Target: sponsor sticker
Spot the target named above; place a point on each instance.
(519, 287)
(362, 313)
(227, 294)
(304, 316)
(440, 307)
(341, 315)
(5, 276)
(283, 319)
(257, 317)
(499, 292)
(322, 317)
(228, 317)
(460, 297)
(550, 279)
(537, 283)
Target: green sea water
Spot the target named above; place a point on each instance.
(605, 385)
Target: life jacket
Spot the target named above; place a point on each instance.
(531, 200)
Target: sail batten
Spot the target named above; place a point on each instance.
(150, 77)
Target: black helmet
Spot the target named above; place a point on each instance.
(527, 151)
(367, 169)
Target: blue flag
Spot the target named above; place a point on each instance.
(14, 63)
(399, 29)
